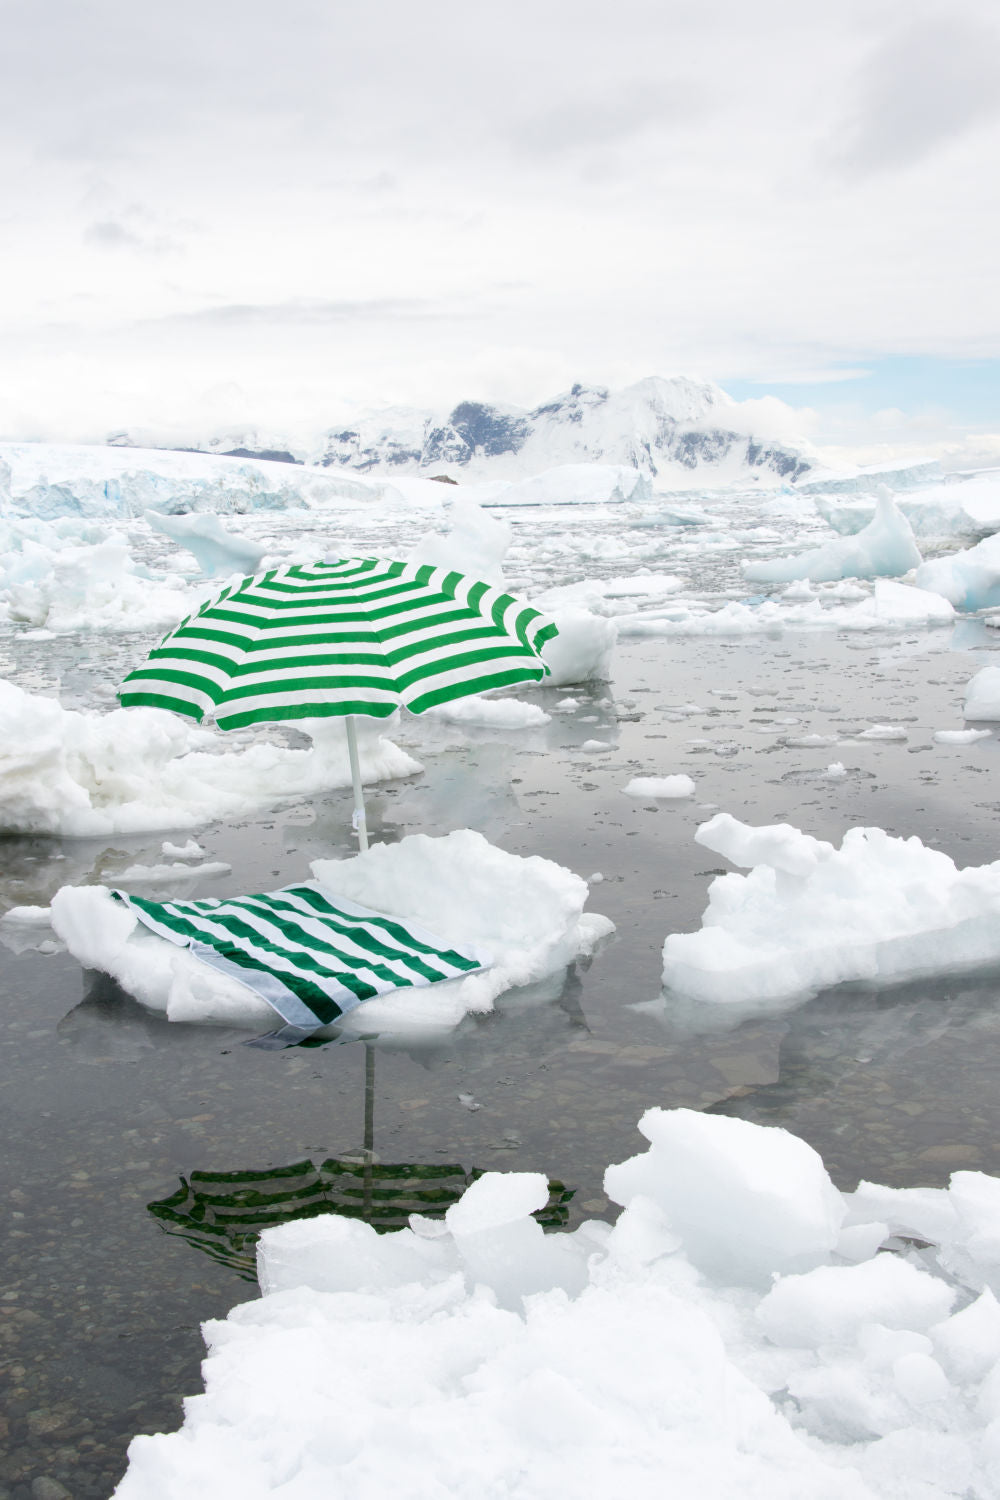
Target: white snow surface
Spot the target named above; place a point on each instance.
(527, 913)
(739, 1330)
(808, 915)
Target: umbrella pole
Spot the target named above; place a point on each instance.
(359, 796)
(369, 1126)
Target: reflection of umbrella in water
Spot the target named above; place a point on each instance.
(342, 638)
(223, 1213)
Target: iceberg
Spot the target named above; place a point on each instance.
(884, 548)
(216, 550)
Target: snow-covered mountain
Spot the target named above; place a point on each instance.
(681, 431)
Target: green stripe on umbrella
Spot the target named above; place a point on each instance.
(342, 638)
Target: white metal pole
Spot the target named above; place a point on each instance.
(359, 797)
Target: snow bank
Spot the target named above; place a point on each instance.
(737, 1331)
(808, 915)
(527, 912)
(136, 769)
(970, 579)
(884, 548)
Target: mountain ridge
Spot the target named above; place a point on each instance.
(678, 429)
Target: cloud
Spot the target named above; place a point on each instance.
(925, 85)
(302, 312)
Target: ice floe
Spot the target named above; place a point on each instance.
(808, 915)
(742, 1328)
(135, 769)
(527, 912)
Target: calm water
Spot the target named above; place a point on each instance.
(105, 1107)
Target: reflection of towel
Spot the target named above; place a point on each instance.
(311, 956)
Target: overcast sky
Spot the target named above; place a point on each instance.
(232, 211)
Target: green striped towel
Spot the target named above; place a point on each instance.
(311, 955)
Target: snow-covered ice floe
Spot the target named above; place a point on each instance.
(808, 915)
(527, 913)
(739, 1330)
(140, 769)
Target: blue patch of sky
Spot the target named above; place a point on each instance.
(967, 389)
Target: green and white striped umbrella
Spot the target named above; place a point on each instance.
(345, 637)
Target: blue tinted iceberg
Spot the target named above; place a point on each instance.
(885, 548)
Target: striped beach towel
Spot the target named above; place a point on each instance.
(311, 955)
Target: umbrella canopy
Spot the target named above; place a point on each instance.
(347, 637)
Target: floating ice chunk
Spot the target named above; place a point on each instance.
(474, 542)
(528, 913)
(884, 548)
(171, 874)
(596, 747)
(659, 786)
(778, 845)
(138, 769)
(835, 771)
(810, 741)
(583, 649)
(882, 732)
(808, 915)
(190, 850)
(970, 579)
(65, 587)
(747, 1201)
(982, 695)
(899, 604)
(961, 736)
(496, 1199)
(967, 1342)
(499, 713)
(216, 549)
(833, 1304)
(598, 1360)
